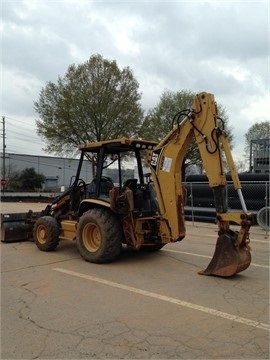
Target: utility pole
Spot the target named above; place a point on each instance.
(4, 155)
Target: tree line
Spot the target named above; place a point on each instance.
(96, 101)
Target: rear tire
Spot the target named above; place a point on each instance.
(99, 236)
(46, 233)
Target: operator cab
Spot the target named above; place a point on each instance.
(117, 164)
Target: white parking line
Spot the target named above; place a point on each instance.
(169, 299)
(215, 234)
(209, 257)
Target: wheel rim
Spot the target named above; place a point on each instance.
(41, 234)
(91, 237)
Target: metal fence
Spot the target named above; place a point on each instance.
(200, 204)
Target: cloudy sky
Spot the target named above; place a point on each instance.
(220, 47)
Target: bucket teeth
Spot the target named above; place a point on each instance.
(228, 259)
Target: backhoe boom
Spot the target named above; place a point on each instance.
(166, 160)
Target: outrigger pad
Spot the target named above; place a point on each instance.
(229, 258)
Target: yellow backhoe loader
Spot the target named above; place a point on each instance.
(147, 211)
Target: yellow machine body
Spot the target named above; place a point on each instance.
(102, 216)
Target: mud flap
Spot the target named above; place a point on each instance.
(229, 257)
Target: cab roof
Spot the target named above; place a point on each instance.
(119, 145)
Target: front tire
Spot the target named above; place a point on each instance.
(99, 236)
(46, 233)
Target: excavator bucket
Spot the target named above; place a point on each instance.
(18, 226)
(229, 257)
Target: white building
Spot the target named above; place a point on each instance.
(58, 171)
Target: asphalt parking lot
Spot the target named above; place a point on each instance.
(143, 306)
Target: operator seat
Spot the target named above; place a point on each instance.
(106, 185)
(131, 184)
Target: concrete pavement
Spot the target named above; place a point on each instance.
(143, 306)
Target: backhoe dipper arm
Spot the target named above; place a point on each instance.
(166, 162)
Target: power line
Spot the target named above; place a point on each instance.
(20, 137)
(23, 129)
(19, 121)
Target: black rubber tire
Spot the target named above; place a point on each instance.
(99, 236)
(46, 233)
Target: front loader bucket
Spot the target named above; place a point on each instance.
(17, 227)
(229, 257)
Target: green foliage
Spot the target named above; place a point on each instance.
(31, 180)
(26, 180)
(14, 181)
(259, 130)
(94, 101)
(159, 120)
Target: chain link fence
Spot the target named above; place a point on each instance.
(200, 204)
